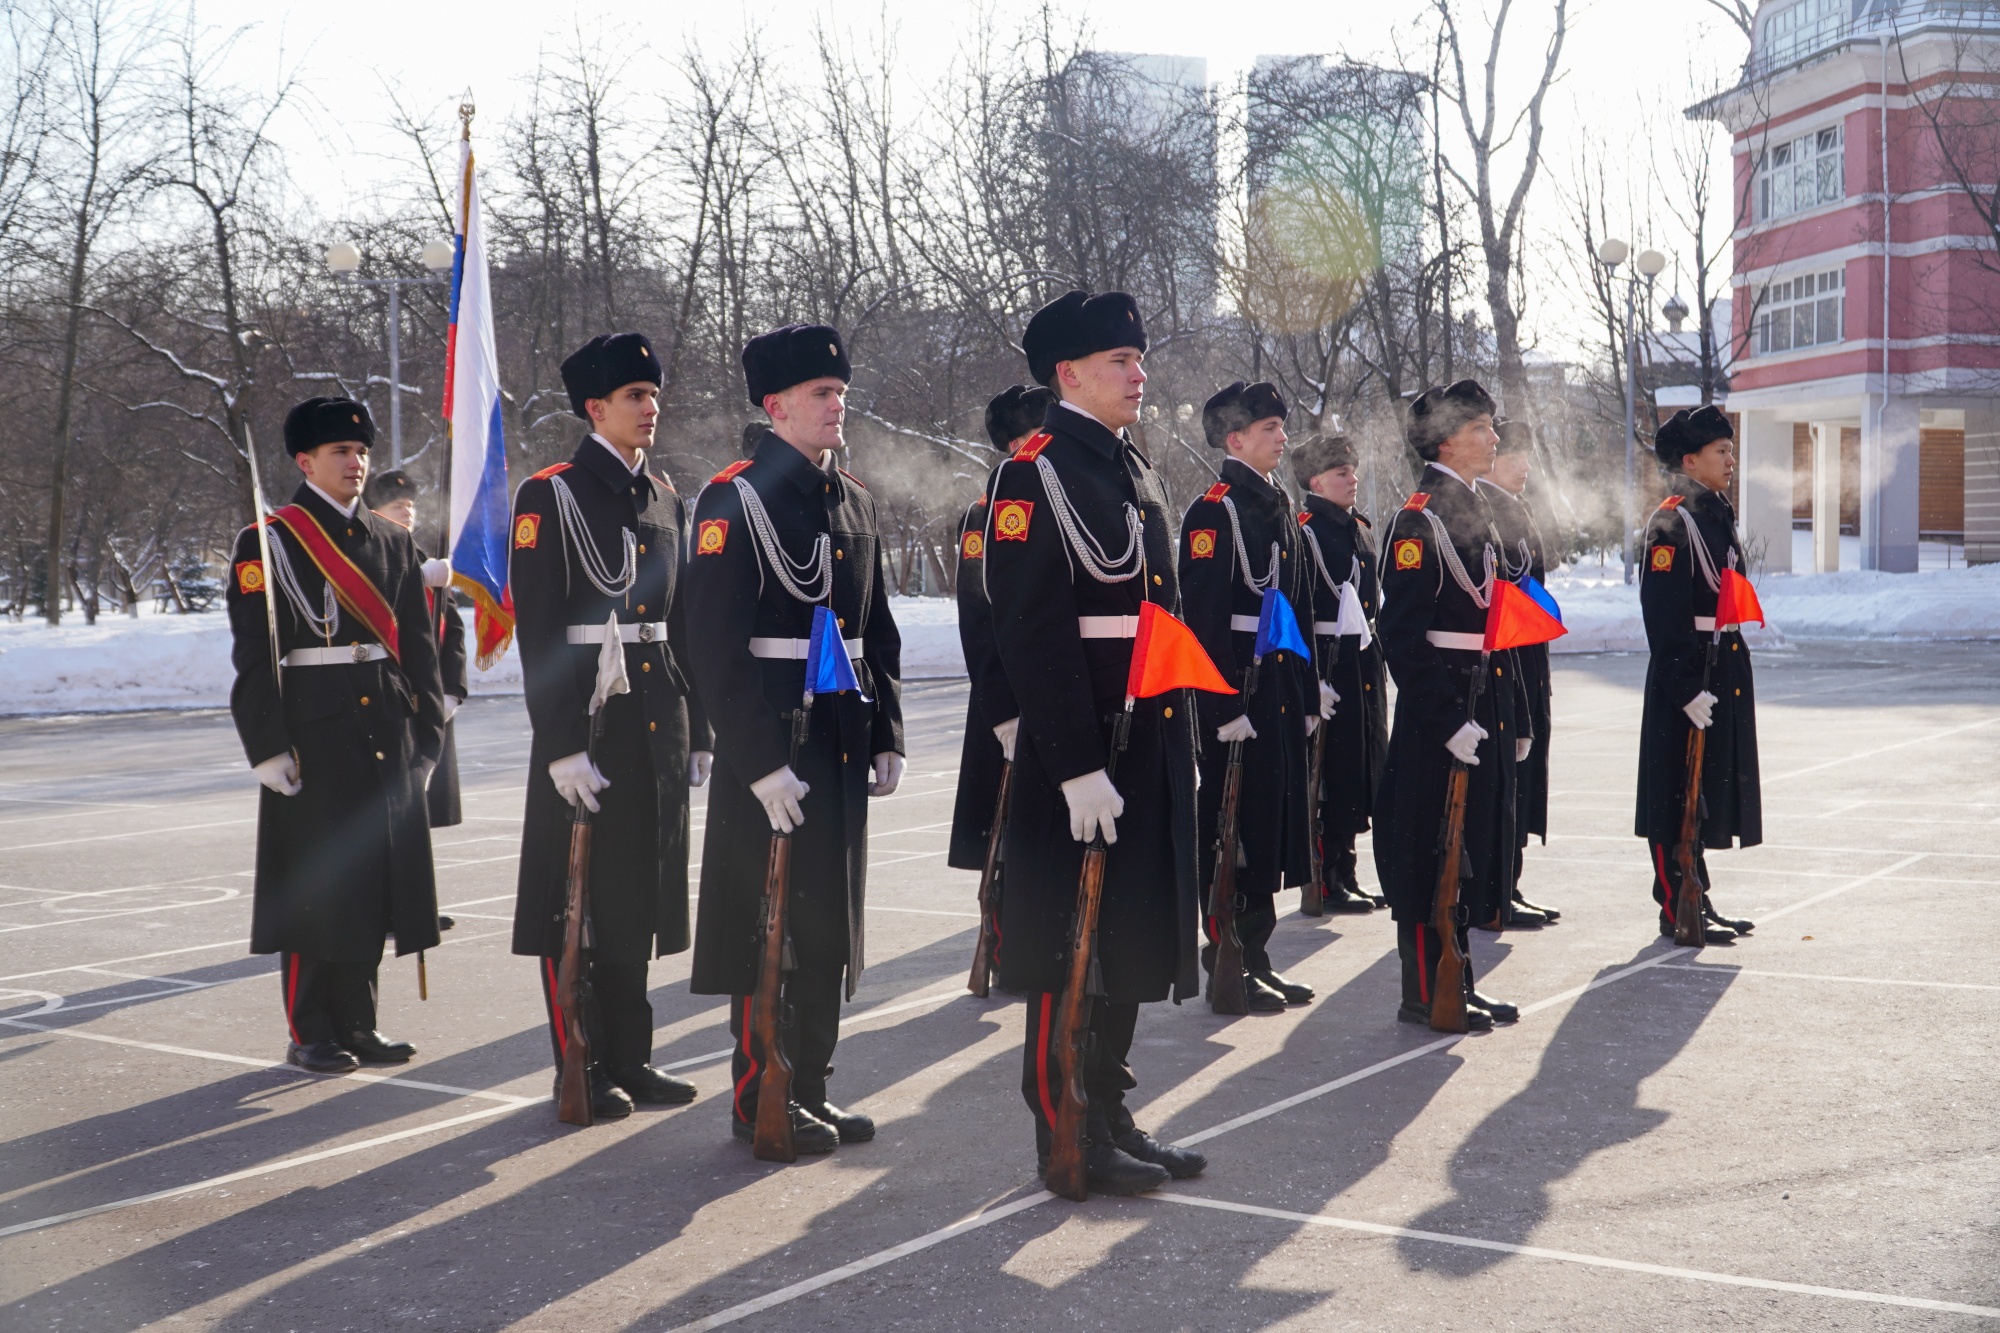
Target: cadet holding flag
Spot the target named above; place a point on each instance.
(783, 539)
(1078, 540)
(1240, 542)
(595, 539)
(1455, 707)
(341, 712)
(1694, 596)
(1341, 544)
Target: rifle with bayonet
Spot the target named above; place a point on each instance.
(1447, 912)
(1228, 990)
(1312, 898)
(1688, 927)
(773, 1140)
(984, 953)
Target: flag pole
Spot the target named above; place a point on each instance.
(466, 110)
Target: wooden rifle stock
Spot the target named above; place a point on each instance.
(980, 982)
(1068, 1174)
(1448, 987)
(1228, 992)
(573, 1097)
(1312, 898)
(1688, 928)
(773, 1141)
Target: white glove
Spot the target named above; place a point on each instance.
(280, 773)
(577, 779)
(1328, 697)
(437, 573)
(781, 791)
(699, 763)
(1005, 734)
(452, 703)
(1093, 804)
(1700, 710)
(1464, 744)
(1523, 748)
(1236, 729)
(888, 773)
(1312, 723)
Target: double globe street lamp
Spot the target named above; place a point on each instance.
(343, 260)
(1649, 265)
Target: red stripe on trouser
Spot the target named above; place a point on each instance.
(1423, 965)
(555, 1010)
(744, 1082)
(1040, 1036)
(292, 995)
(1667, 894)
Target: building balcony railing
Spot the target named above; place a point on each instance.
(1903, 21)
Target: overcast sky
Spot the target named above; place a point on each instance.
(1629, 67)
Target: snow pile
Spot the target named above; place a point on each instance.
(929, 626)
(1937, 605)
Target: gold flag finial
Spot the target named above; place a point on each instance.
(465, 114)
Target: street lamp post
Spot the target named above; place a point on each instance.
(343, 260)
(1649, 265)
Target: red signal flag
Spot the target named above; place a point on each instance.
(1516, 620)
(1736, 601)
(1167, 656)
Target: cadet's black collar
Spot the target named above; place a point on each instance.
(1446, 474)
(1085, 430)
(1321, 507)
(322, 509)
(1241, 476)
(789, 463)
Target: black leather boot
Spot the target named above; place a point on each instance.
(1292, 991)
(852, 1126)
(1111, 1170)
(643, 1083)
(1737, 924)
(322, 1057)
(372, 1048)
(810, 1134)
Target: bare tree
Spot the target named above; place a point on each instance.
(1739, 12)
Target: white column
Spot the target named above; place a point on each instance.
(1889, 476)
(1825, 497)
(1982, 483)
(1764, 483)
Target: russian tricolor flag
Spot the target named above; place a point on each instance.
(480, 501)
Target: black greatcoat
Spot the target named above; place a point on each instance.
(442, 796)
(639, 838)
(1069, 688)
(733, 596)
(1673, 590)
(1522, 552)
(1216, 570)
(349, 858)
(1358, 736)
(988, 701)
(1420, 594)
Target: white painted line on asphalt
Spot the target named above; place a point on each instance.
(1724, 970)
(129, 958)
(268, 1168)
(1571, 1257)
(782, 1295)
(133, 833)
(920, 911)
(1884, 749)
(1868, 878)
(228, 895)
(1630, 841)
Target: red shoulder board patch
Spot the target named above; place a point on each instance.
(1032, 450)
(1672, 502)
(550, 471)
(1010, 520)
(1216, 492)
(1417, 500)
(1305, 520)
(665, 481)
(729, 472)
(980, 501)
(1361, 518)
(851, 477)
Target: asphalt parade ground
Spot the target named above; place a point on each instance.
(1798, 1131)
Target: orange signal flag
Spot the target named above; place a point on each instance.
(1516, 620)
(1736, 601)
(1167, 656)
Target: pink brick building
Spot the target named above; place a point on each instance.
(1867, 322)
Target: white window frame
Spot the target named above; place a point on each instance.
(1800, 313)
(1801, 173)
(1799, 30)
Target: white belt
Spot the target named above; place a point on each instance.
(1706, 624)
(795, 650)
(358, 652)
(1445, 638)
(1108, 627)
(1326, 629)
(651, 631)
(1243, 624)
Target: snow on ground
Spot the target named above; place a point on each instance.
(173, 661)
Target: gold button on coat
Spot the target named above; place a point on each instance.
(364, 701)
(645, 666)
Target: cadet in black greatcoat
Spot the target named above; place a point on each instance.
(1238, 538)
(1438, 576)
(1077, 537)
(394, 496)
(1341, 546)
(595, 537)
(777, 534)
(1522, 554)
(343, 747)
(991, 715)
(1678, 582)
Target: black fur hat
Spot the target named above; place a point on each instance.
(1689, 432)
(1321, 453)
(388, 487)
(773, 362)
(1438, 414)
(606, 364)
(1015, 412)
(1076, 325)
(319, 421)
(1516, 437)
(1237, 408)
